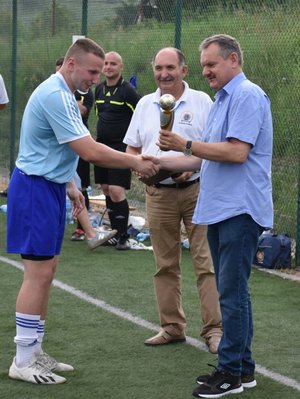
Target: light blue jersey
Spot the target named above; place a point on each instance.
(51, 120)
(242, 111)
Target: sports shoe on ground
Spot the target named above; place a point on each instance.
(36, 373)
(219, 384)
(100, 238)
(52, 364)
(123, 243)
(78, 235)
(111, 243)
(248, 380)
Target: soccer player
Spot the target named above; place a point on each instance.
(52, 138)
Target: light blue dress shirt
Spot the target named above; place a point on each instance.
(242, 111)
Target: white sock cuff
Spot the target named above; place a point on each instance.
(41, 327)
(26, 329)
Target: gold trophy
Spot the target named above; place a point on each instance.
(167, 105)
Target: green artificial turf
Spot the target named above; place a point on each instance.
(107, 351)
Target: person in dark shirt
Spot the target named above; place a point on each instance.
(115, 101)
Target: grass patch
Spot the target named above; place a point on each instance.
(108, 353)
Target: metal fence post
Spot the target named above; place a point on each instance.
(298, 217)
(84, 17)
(178, 20)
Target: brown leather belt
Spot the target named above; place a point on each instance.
(184, 184)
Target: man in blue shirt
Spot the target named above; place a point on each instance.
(235, 201)
(53, 136)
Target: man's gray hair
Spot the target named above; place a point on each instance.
(180, 55)
(227, 45)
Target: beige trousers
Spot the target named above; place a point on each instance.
(166, 209)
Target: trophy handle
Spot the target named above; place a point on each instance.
(166, 119)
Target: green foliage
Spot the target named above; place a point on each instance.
(4, 32)
(55, 20)
(126, 14)
(166, 9)
(268, 31)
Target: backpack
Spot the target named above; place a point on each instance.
(274, 251)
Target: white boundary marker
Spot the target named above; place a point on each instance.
(150, 326)
(278, 273)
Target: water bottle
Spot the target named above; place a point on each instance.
(95, 219)
(132, 231)
(89, 191)
(143, 236)
(185, 244)
(69, 212)
(3, 208)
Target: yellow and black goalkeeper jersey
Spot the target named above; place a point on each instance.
(114, 108)
(87, 100)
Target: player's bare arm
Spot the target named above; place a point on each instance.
(101, 155)
(75, 195)
(180, 162)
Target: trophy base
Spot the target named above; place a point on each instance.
(161, 175)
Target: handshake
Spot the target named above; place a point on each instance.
(149, 169)
(167, 141)
(146, 167)
(180, 168)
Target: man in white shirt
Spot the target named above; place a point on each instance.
(172, 201)
(3, 94)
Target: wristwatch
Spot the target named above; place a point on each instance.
(188, 148)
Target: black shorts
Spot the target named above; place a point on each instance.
(83, 170)
(113, 177)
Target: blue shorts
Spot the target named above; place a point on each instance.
(36, 214)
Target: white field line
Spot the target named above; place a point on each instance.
(278, 273)
(150, 326)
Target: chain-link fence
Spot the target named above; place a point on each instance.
(34, 34)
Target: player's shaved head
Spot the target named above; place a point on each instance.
(115, 55)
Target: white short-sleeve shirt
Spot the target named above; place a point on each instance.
(190, 116)
(3, 93)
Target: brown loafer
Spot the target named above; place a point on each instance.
(212, 343)
(164, 338)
